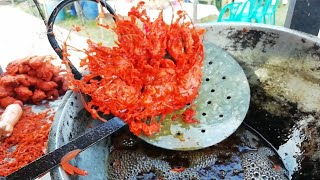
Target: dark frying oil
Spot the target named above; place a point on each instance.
(242, 156)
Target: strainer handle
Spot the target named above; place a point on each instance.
(51, 37)
(53, 159)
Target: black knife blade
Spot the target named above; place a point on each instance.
(48, 161)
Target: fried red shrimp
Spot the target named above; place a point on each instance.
(151, 72)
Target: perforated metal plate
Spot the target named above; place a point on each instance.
(221, 106)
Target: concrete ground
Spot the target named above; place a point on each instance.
(22, 34)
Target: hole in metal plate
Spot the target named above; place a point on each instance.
(223, 78)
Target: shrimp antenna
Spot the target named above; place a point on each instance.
(172, 9)
(51, 36)
(186, 14)
(83, 101)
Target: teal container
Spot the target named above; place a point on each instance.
(50, 5)
(89, 9)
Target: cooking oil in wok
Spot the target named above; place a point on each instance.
(241, 156)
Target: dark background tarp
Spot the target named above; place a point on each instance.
(304, 15)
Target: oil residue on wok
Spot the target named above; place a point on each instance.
(285, 108)
(242, 156)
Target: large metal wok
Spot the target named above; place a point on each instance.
(283, 69)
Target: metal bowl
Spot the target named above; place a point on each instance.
(283, 69)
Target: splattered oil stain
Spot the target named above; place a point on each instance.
(314, 51)
(286, 99)
(243, 39)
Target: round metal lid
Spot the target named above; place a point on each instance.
(221, 106)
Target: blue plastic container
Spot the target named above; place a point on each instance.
(73, 11)
(50, 5)
(89, 9)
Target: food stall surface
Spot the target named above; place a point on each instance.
(22, 35)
